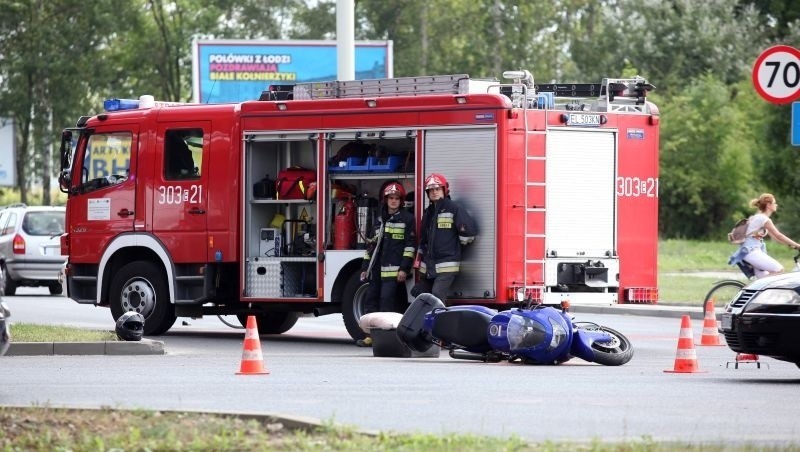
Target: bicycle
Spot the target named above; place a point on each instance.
(724, 291)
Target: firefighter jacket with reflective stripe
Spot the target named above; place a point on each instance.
(446, 226)
(392, 245)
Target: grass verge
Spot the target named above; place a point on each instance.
(684, 290)
(45, 428)
(692, 255)
(677, 259)
(29, 332)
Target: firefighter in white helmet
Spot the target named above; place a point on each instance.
(390, 253)
(446, 227)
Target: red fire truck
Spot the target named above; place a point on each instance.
(261, 207)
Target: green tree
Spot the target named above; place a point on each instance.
(776, 161)
(784, 17)
(50, 59)
(705, 160)
(155, 56)
(669, 42)
(317, 21)
(481, 38)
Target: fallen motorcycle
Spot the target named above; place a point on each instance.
(534, 335)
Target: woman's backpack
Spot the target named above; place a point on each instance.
(739, 232)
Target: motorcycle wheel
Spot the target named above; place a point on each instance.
(615, 353)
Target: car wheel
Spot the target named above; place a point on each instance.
(9, 285)
(55, 288)
(141, 286)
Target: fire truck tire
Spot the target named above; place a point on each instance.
(55, 288)
(140, 286)
(273, 322)
(353, 298)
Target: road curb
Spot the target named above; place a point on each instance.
(143, 347)
(669, 311)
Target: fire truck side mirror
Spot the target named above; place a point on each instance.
(66, 154)
(64, 181)
(66, 149)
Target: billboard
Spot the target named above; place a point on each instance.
(239, 70)
(8, 173)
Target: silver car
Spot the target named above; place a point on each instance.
(30, 247)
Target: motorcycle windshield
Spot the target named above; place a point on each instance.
(524, 333)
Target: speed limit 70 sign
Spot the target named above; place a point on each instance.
(776, 74)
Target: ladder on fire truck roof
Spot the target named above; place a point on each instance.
(385, 87)
(612, 94)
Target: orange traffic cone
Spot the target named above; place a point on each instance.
(252, 359)
(710, 334)
(685, 357)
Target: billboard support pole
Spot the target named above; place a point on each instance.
(345, 39)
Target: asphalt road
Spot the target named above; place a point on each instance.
(316, 372)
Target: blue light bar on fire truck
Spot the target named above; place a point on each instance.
(120, 104)
(145, 101)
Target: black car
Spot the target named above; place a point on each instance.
(764, 318)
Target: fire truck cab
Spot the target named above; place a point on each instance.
(264, 207)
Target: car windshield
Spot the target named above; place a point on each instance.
(43, 223)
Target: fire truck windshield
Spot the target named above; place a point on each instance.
(106, 159)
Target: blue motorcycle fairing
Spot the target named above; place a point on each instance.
(542, 334)
(582, 342)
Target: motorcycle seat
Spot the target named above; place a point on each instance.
(463, 327)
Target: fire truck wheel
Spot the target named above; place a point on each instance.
(140, 286)
(273, 322)
(55, 288)
(355, 292)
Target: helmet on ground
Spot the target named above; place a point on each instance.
(436, 180)
(130, 326)
(394, 188)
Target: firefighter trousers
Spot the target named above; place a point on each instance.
(438, 286)
(381, 294)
